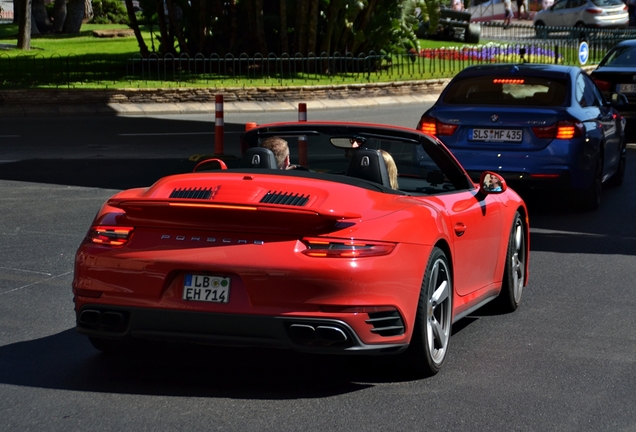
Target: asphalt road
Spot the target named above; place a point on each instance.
(564, 361)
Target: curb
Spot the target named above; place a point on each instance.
(202, 100)
(143, 109)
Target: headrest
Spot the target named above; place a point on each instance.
(259, 157)
(368, 164)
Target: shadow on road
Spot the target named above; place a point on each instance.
(67, 361)
(100, 173)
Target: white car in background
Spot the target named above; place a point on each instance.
(584, 13)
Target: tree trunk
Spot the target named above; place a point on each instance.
(166, 42)
(59, 15)
(312, 27)
(24, 27)
(233, 24)
(143, 48)
(362, 23)
(202, 27)
(16, 11)
(40, 16)
(175, 16)
(284, 42)
(332, 20)
(74, 17)
(88, 10)
(261, 41)
(301, 26)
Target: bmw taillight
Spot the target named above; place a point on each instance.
(602, 85)
(110, 235)
(562, 130)
(332, 248)
(432, 126)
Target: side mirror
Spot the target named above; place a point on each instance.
(491, 183)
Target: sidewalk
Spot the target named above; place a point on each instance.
(142, 109)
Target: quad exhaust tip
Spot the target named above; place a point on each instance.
(306, 334)
(106, 320)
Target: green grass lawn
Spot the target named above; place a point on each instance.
(77, 44)
(86, 61)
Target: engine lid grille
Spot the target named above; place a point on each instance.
(192, 193)
(285, 198)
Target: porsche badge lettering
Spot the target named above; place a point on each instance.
(197, 239)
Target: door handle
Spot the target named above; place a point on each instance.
(460, 229)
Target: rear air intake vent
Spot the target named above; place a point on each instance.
(387, 323)
(285, 198)
(192, 193)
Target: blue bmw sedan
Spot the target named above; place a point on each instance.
(537, 125)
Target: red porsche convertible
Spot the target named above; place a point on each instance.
(373, 240)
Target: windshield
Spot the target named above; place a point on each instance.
(602, 3)
(507, 90)
(422, 166)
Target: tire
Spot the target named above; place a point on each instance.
(580, 31)
(591, 197)
(515, 268)
(619, 176)
(433, 322)
(472, 34)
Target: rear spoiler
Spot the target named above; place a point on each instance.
(230, 216)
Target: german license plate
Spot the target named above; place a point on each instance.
(627, 88)
(496, 135)
(206, 288)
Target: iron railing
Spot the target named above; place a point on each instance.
(519, 43)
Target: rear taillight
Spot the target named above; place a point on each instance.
(330, 248)
(561, 130)
(594, 11)
(431, 126)
(602, 85)
(110, 235)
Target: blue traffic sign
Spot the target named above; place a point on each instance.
(584, 52)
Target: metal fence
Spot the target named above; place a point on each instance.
(519, 43)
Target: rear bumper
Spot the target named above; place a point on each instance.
(559, 165)
(318, 335)
(521, 180)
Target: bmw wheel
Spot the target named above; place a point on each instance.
(515, 268)
(591, 197)
(433, 323)
(619, 176)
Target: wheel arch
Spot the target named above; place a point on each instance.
(445, 247)
(525, 219)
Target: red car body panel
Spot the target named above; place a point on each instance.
(261, 248)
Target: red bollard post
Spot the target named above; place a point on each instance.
(302, 140)
(218, 125)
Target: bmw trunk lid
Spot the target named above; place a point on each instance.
(496, 128)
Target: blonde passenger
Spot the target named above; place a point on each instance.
(391, 168)
(280, 148)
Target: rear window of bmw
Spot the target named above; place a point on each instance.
(507, 90)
